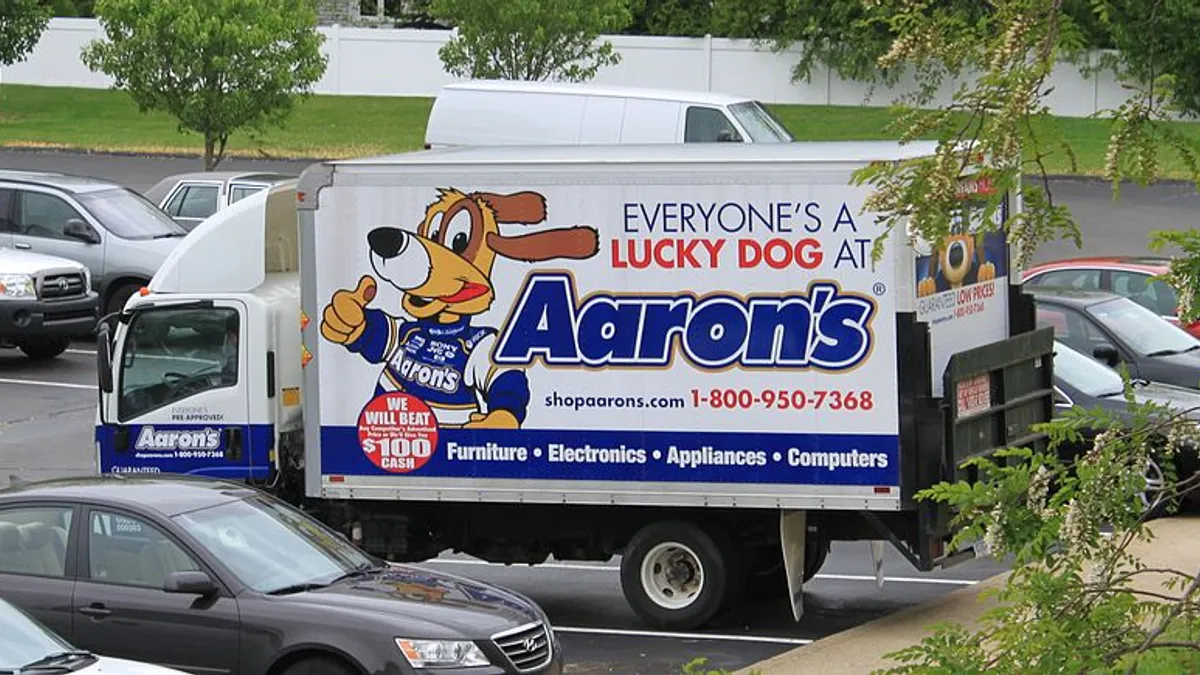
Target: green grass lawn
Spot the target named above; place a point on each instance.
(353, 126)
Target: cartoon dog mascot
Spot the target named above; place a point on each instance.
(956, 258)
(444, 270)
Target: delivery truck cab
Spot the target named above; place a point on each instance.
(680, 354)
(501, 112)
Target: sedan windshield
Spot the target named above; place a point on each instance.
(759, 123)
(1085, 374)
(1145, 332)
(23, 640)
(128, 215)
(270, 546)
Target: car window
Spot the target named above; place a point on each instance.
(240, 192)
(33, 540)
(762, 126)
(127, 550)
(194, 201)
(1085, 279)
(129, 215)
(24, 640)
(172, 354)
(7, 224)
(1070, 327)
(43, 215)
(1155, 295)
(708, 125)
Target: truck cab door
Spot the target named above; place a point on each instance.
(180, 399)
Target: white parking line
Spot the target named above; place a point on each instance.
(614, 570)
(44, 383)
(89, 352)
(723, 637)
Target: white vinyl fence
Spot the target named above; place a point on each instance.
(404, 62)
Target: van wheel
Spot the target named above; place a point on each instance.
(118, 298)
(676, 575)
(44, 350)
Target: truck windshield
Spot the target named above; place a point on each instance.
(270, 546)
(759, 123)
(128, 215)
(171, 354)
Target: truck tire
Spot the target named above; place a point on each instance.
(676, 575)
(765, 576)
(44, 350)
(117, 299)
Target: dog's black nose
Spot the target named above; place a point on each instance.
(956, 255)
(387, 242)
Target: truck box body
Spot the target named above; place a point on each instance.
(697, 328)
(577, 352)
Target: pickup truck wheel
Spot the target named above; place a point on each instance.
(675, 574)
(118, 298)
(44, 350)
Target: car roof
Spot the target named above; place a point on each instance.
(62, 181)
(1145, 261)
(1073, 297)
(162, 187)
(589, 89)
(164, 494)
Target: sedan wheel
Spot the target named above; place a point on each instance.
(1153, 497)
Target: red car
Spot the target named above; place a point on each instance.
(1129, 276)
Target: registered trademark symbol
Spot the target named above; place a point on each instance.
(879, 288)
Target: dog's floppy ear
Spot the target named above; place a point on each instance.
(579, 243)
(527, 208)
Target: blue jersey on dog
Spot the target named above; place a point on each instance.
(447, 365)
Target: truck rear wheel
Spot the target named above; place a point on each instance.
(676, 575)
(44, 350)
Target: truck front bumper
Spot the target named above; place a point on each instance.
(21, 319)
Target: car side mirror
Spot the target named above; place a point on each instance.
(1107, 353)
(191, 582)
(77, 229)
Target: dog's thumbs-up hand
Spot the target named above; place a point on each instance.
(344, 319)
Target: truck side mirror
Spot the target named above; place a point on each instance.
(104, 357)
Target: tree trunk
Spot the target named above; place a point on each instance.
(210, 143)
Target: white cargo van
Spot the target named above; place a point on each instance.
(500, 112)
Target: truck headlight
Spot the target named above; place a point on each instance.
(442, 653)
(17, 286)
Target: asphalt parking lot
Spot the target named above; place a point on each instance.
(47, 413)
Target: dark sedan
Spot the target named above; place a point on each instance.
(212, 577)
(1115, 329)
(1087, 383)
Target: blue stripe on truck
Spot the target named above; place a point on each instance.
(165, 449)
(607, 455)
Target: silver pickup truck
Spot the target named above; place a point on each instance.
(45, 302)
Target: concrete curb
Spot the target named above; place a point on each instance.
(861, 650)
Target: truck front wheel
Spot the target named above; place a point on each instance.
(44, 350)
(675, 575)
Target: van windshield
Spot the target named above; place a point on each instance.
(759, 123)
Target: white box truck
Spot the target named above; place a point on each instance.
(680, 354)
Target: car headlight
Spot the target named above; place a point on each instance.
(442, 653)
(17, 286)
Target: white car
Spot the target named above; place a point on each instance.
(27, 646)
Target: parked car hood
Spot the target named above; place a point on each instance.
(13, 261)
(1187, 360)
(109, 666)
(1180, 398)
(433, 604)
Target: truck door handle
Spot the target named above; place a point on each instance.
(95, 609)
(20, 245)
